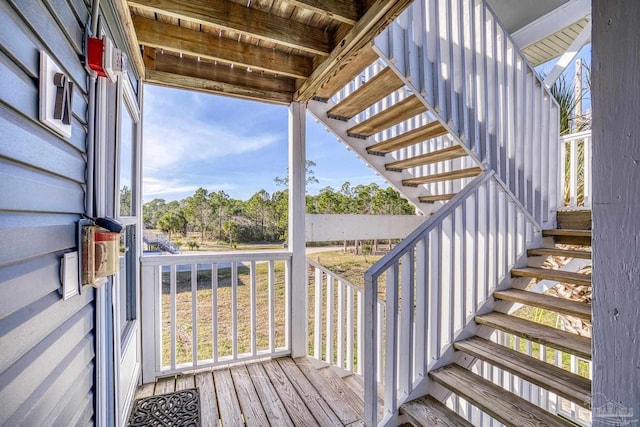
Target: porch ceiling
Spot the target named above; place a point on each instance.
(270, 50)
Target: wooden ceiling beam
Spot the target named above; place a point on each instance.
(227, 15)
(380, 14)
(171, 37)
(345, 11)
(122, 9)
(187, 73)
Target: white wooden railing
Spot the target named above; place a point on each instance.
(458, 58)
(575, 169)
(201, 311)
(336, 321)
(436, 280)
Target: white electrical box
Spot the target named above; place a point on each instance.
(69, 275)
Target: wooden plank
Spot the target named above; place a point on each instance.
(218, 86)
(356, 384)
(569, 253)
(346, 11)
(321, 409)
(557, 275)
(569, 237)
(427, 411)
(230, 413)
(444, 176)
(423, 133)
(435, 198)
(149, 58)
(349, 69)
(165, 385)
(409, 107)
(243, 20)
(442, 155)
(379, 14)
(550, 377)
(184, 382)
(552, 337)
(348, 407)
(273, 406)
(156, 34)
(208, 405)
(124, 16)
(381, 85)
(493, 399)
(145, 390)
(576, 220)
(299, 413)
(566, 232)
(254, 414)
(578, 309)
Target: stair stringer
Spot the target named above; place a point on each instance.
(339, 128)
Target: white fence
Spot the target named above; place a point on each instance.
(435, 282)
(207, 310)
(575, 169)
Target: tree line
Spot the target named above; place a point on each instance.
(263, 217)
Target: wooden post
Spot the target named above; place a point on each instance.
(298, 277)
(616, 203)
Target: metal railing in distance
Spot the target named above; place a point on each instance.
(435, 282)
(335, 319)
(575, 170)
(201, 311)
(456, 56)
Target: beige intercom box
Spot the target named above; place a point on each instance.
(99, 254)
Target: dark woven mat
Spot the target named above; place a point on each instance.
(179, 409)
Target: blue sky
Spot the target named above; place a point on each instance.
(193, 140)
(196, 140)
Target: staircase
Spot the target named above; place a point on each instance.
(446, 108)
(478, 354)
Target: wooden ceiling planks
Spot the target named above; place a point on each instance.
(305, 44)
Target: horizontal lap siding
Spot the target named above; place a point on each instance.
(47, 358)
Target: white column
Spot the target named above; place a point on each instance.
(298, 276)
(616, 218)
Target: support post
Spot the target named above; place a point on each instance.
(298, 276)
(616, 222)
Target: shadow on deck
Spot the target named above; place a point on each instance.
(279, 392)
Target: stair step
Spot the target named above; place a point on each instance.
(566, 232)
(448, 153)
(502, 405)
(578, 309)
(427, 411)
(553, 378)
(569, 236)
(407, 139)
(556, 275)
(381, 85)
(435, 198)
(397, 113)
(569, 253)
(542, 334)
(576, 220)
(445, 176)
(359, 62)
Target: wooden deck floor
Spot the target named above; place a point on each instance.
(280, 392)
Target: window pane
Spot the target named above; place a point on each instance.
(127, 130)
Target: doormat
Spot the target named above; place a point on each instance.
(179, 409)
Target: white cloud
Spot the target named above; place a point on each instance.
(175, 132)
